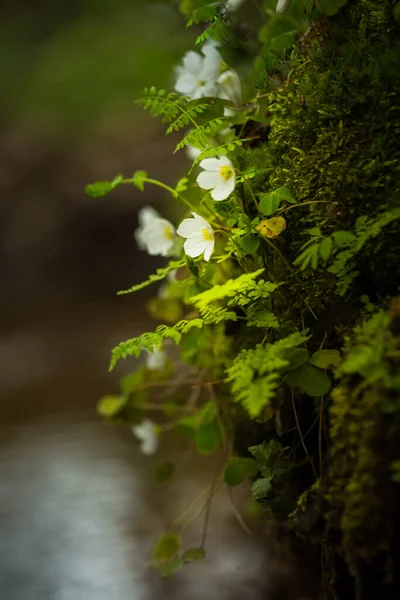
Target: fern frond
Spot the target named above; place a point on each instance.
(256, 373)
(195, 137)
(228, 290)
(151, 340)
(157, 276)
(220, 150)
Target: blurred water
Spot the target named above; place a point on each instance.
(79, 508)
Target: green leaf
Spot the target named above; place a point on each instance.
(310, 380)
(166, 570)
(207, 437)
(167, 547)
(249, 243)
(109, 406)
(269, 203)
(193, 554)
(315, 231)
(331, 7)
(239, 469)
(102, 188)
(297, 357)
(164, 472)
(344, 238)
(139, 178)
(325, 248)
(182, 185)
(326, 358)
(261, 488)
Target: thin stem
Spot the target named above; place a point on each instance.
(320, 435)
(301, 436)
(238, 515)
(253, 197)
(303, 204)
(276, 249)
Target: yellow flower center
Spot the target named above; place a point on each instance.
(168, 233)
(206, 235)
(200, 83)
(226, 172)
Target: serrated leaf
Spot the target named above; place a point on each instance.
(239, 469)
(261, 488)
(167, 547)
(310, 380)
(102, 188)
(164, 472)
(193, 554)
(109, 406)
(325, 248)
(272, 228)
(249, 243)
(326, 358)
(139, 178)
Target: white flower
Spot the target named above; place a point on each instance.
(147, 434)
(156, 360)
(199, 236)
(281, 6)
(230, 87)
(233, 4)
(192, 152)
(218, 176)
(198, 75)
(154, 234)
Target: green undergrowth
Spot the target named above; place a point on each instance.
(289, 336)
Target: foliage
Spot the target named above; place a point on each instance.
(289, 341)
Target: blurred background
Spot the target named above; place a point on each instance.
(79, 508)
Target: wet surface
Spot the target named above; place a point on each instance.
(79, 507)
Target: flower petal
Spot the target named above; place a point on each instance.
(185, 84)
(223, 189)
(192, 63)
(210, 164)
(211, 64)
(187, 228)
(147, 214)
(208, 180)
(194, 246)
(209, 249)
(225, 162)
(146, 433)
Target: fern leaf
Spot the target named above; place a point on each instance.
(256, 373)
(157, 276)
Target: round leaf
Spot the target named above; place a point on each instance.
(326, 358)
(167, 547)
(309, 380)
(239, 469)
(207, 437)
(193, 554)
(297, 357)
(249, 243)
(109, 406)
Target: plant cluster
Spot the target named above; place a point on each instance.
(282, 275)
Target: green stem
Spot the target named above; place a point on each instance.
(303, 204)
